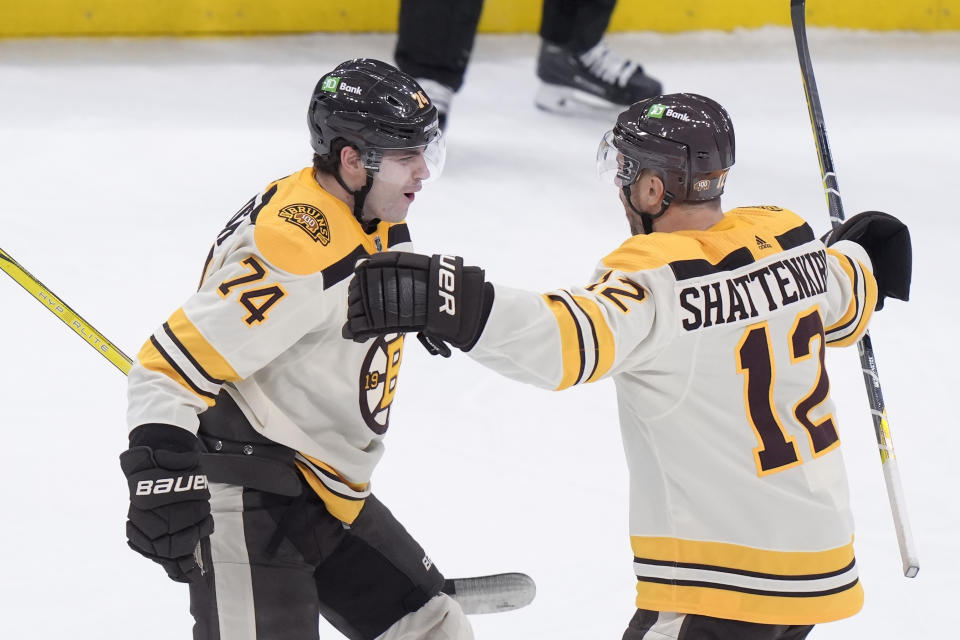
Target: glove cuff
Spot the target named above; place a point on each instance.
(164, 436)
(486, 304)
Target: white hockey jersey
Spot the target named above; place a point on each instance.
(715, 340)
(265, 325)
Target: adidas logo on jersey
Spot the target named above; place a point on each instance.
(179, 484)
(762, 244)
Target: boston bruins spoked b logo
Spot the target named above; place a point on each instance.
(378, 381)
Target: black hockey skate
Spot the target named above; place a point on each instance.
(597, 81)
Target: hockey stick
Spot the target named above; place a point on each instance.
(482, 594)
(63, 311)
(868, 364)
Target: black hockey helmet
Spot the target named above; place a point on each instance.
(373, 106)
(687, 139)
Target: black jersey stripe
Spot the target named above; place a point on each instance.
(397, 234)
(593, 333)
(576, 324)
(206, 265)
(756, 592)
(342, 268)
(744, 572)
(176, 367)
(699, 267)
(189, 356)
(795, 237)
(263, 202)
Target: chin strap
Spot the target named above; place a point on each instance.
(359, 197)
(648, 218)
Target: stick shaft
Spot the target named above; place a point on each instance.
(868, 363)
(62, 310)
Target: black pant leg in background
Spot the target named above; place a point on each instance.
(697, 627)
(435, 38)
(575, 24)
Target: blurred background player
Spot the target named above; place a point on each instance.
(579, 73)
(713, 326)
(255, 428)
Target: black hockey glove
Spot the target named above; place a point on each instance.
(887, 242)
(169, 499)
(398, 292)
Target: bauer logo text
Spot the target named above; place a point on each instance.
(179, 484)
(448, 282)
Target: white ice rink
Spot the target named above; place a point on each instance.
(121, 159)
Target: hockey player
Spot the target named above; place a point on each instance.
(255, 428)
(578, 72)
(713, 327)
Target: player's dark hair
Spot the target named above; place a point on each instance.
(329, 162)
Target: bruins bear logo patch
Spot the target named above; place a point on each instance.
(310, 219)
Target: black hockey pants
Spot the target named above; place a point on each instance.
(275, 564)
(277, 559)
(655, 625)
(435, 37)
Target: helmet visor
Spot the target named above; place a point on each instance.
(407, 165)
(612, 165)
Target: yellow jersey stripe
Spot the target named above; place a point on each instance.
(152, 357)
(762, 609)
(851, 311)
(740, 557)
(603, 338)
(862, 303)
(356, 486)
(571, 341)
(340, 507)
(757, 585)
(694, 253)
(198, 350)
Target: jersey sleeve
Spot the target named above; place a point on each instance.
(572, 336)
(245, 314)
(851, 293)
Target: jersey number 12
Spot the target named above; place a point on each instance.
(778, 449)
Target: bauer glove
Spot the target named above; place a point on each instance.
(399, 292)
(169, 499)
(887, 242)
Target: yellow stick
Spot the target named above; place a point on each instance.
(63, 311)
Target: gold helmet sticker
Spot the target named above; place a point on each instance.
(310, 219)
(422, 100)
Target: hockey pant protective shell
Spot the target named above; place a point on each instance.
(661, 625)
(274, 564)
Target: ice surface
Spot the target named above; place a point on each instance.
(121, 159)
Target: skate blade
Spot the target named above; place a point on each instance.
(573, 102)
